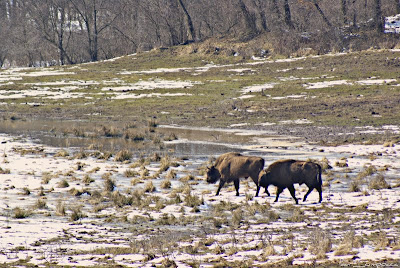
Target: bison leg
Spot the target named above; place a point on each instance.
(308, 192)
(293, 193)
(236, 182)
(319, 189)
(221, 184)
(258, 190)
(266, 191)
(278, 192)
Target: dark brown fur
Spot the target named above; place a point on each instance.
(284, 173)
(231, 166)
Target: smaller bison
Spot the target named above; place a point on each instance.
(283, 174)
(231, 166)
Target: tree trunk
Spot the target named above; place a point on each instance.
(191, 35)
(344, 11)
(397, 3)
(288, 15)
(378, 16)
(61, 37)
(275, 8)
(250, 24)
(322, 14)
(95, 50)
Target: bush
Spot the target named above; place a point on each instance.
(60, 209)
(20, 213)
(149, 187)
(87, 179)
(165, 184)
(320, 243)
(123, 155)
(355, 186)
(63, 184)
(109, 183)
(129, 173)
(4, 171)
(378, 183)
(77, 214)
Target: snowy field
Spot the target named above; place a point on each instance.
(77, 207)
(84, 205)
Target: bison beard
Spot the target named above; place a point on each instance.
(285, 173)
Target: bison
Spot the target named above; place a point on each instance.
(284, 173)
(231, 166)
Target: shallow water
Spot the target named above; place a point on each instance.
(197, 145)
(191, 142)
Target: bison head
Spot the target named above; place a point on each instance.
(213, 175)
(263, 179)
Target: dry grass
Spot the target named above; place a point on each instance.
(349, 241)
(109, 183)
(378, 182)
(166, 184)
(123, 155)
(19, 213)
(320, 243)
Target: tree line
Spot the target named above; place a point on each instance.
(58, 32)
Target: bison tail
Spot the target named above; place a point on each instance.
(319, 178)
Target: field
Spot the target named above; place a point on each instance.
(102, 164)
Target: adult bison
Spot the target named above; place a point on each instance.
(284, 173)
(231, 166)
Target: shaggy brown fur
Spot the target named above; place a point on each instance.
(231, 166)
(284, 173)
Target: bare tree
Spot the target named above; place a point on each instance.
(288, 15)
(95, 17)
(250, 29)
(316, 4)
(53, 19)
(378, 16)
(344, 11)
(191, 34)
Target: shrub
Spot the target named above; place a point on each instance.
(26, 191)
(81, 155)
(320, 243)
(109, 184)
(192, 200)
(149, 187)
(40, 204)
(144, 172)
(20, 213)
(4, 171)
(60, 209)
(367, 171)
(171, 174)
(237, 216)
(77, 214)
(109, 132)
(63, 184)
(87, 179)
(46, 177)
(129, 173)
(165, 184)
(355, 185)
(378, 182)
(61, 153)
(350, 241)
(121, 200)
(123, 155)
